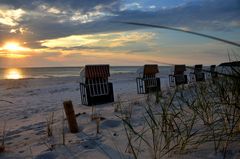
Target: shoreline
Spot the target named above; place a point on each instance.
(33, 73)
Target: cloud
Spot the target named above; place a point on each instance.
(87, 17)
(10, 17)
(201, 15)
(72, 4)
(131, 6)
(70, 41)
(46, 19)
(110, 40)
(152, 7)
(14, 55)
(54, 10)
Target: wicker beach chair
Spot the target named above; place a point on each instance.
(198, 74)
(147, 81)
(178, 77)
(94, 86)
(213, 71)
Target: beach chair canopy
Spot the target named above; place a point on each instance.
(179, 69)
(148, 70)
(95, 71)
(198, 68)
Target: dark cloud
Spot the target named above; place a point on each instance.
(84, 5)
(198, 16)
(214, 15)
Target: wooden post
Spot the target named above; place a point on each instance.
(70, 114)
(98, 124)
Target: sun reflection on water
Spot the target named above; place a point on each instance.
(13, 73)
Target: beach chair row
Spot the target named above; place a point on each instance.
(96, 89)
(179, 77)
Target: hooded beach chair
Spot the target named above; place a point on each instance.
(212, 74)
(198, 74)
(147, 81)
(178, 77)
(213, 71)
(94, 86)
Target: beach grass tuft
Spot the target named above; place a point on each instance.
(187, 119)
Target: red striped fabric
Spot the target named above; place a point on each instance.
(94, 71)
(179, 69)
(150, 69)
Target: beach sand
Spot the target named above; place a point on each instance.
(33, 101)
(36, 100)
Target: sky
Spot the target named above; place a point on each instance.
(49, 33)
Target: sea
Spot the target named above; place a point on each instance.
(48, 72)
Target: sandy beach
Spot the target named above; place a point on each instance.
(33, 100)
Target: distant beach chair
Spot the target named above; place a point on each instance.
(147, 81)
(213, 71)
(198, 74)
(94, 86)
(212, 74)
(178, 77)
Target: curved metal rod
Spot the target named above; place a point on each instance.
(181, 30)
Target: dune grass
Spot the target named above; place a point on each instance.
(205, 113)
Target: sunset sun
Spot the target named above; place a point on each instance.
(13, 46)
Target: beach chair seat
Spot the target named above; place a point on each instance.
(95, 88)
(178, 77)
(198, 74)
(147, 81)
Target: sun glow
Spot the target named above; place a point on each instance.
(13, 46)
(13, 73)
(14, 56)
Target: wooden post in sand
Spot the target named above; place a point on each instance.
(70, 114)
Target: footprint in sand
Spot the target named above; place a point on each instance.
(42, 132)
(89, 144)
(8, 138)
(110, 124)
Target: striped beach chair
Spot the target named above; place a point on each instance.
(94, 86)
(147, 81)
(178, 77)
